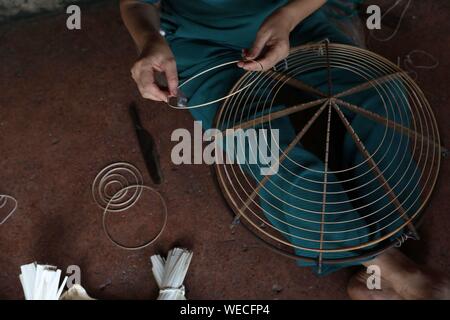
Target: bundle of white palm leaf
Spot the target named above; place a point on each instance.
(41, 282)
(169, 273)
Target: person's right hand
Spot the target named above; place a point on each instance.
(156, 57)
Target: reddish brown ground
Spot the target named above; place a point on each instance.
(63, 116)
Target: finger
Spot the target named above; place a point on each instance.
(251, 66)
(272, 57)
(153, 92)
(149, 89)
(261, 38)
(170, 69)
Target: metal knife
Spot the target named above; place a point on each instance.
(147, 146)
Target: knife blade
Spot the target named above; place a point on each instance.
(147, 146)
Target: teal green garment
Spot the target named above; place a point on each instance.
(205, 33)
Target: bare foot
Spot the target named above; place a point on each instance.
(409, 280)
(357, 289)
(423, 285)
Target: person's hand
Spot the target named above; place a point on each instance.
(156, 58)
(271, 44)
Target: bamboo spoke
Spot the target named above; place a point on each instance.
(384, 121)
(325, 181)
(276, 115)
(295, 83)
(330, 82)
(369, 84)
(377, 171)
(284, 154)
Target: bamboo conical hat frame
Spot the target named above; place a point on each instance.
(241, 191)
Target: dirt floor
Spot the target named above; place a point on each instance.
(63, 117)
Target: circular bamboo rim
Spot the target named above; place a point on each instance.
(421, 136)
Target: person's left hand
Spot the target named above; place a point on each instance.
(271, 44)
